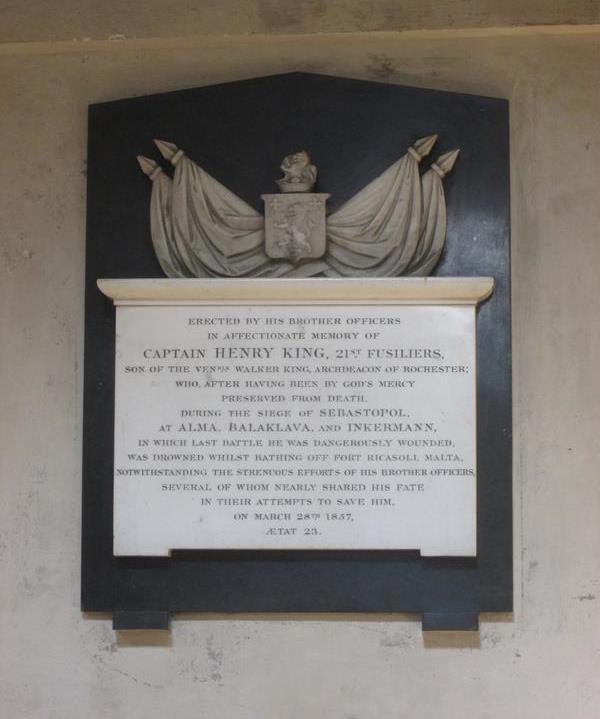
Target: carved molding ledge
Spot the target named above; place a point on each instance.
(394, 291)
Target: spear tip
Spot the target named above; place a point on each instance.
(447, 160)
(167, 149)
(424, 145)
(146, 164)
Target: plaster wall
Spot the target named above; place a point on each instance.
(544, 661)
(114, 21)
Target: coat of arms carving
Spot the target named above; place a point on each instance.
(395, 225)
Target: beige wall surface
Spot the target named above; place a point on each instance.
(544, 661)
(40, 20)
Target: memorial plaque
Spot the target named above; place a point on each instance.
(294, 423)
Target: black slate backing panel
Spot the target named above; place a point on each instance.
(239, 132)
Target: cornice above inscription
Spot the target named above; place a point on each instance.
(409, 291)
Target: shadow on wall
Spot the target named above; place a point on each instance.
(431, 639)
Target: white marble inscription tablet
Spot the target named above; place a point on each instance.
(284, 415)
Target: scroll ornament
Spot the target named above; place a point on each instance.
(395, 225)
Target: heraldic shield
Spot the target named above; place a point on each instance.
(295, 225)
